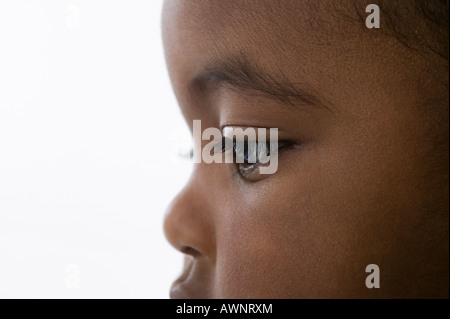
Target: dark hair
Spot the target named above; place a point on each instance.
(431, 31)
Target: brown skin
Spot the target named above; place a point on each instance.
(365, 180)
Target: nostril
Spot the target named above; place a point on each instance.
(187, 250)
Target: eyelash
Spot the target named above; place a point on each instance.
(242, 153)
(282, 146)
(247, 168)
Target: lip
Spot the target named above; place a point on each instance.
(180, 289)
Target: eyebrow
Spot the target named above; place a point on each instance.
(239, 74)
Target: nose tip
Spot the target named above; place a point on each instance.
(187, 227)
(174, 230)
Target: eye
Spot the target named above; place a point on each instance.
(250, 156)
(247, 157)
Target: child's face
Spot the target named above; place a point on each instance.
(358, 179)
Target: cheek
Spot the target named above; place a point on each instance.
(307, 231)
(312, 228)
(281, 242)
(255, 255)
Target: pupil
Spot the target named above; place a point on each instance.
(246, 153)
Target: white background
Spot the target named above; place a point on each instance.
(89, 135)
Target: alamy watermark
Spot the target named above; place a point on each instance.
(239, 145)
(373, 19)
(73, 278)
(73, 17)
(373, 280)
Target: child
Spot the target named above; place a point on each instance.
(362, 118)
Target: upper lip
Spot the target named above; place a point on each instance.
(181, 287)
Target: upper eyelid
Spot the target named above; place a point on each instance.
(222, 145)
(267, 132)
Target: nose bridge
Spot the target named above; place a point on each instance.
(188, 223)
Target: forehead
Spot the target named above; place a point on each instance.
(285, 37)
(255, 25)
(323, 46)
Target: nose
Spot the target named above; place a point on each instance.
(188, 224)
